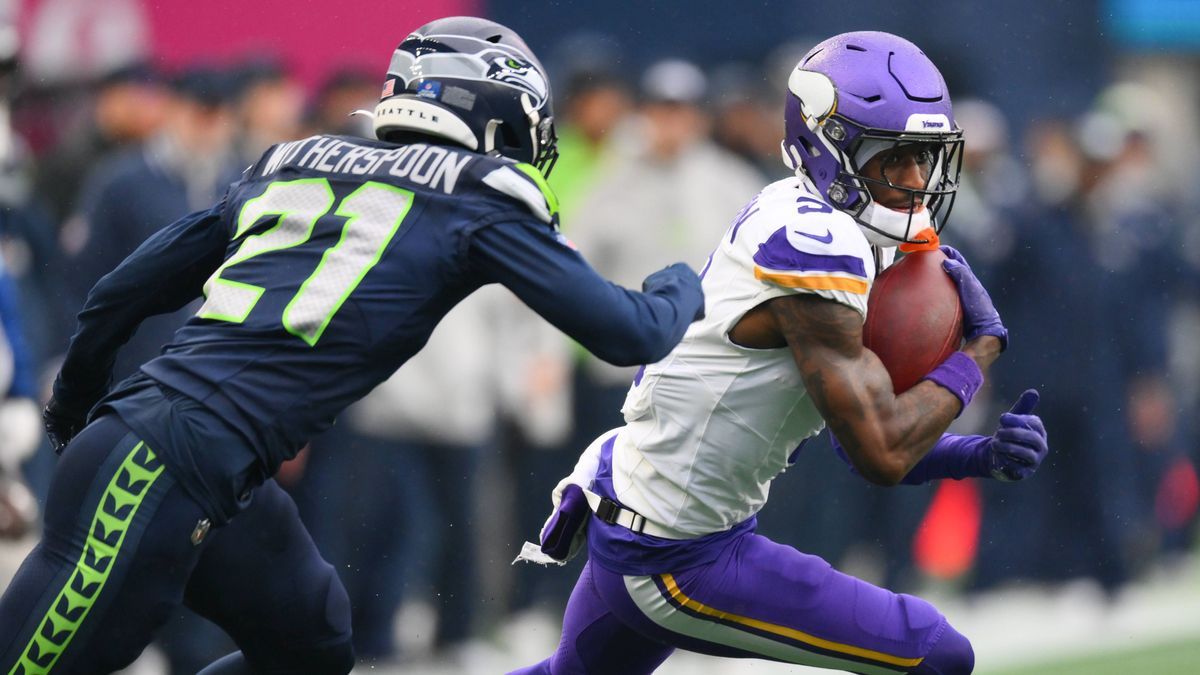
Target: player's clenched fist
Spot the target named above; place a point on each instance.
(679, 276)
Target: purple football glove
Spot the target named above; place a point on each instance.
(1019, 445)
(979, 314)
(563, 534)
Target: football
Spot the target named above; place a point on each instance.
(914, 319)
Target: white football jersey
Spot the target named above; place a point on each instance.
(709, 426)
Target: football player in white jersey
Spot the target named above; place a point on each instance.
(667, 503)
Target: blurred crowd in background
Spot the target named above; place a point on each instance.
(1085, 228)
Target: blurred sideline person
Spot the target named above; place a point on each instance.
(536, 408)
(325, 268)
(20, 431)
(533, 437)
(130, 106)
(131, 195)
(745, 120)
(666, 192)
(1098, 240)
(597, 103)
(668, 502)
(413, 446)
(994, 187)
(347, 89)
(28, 235)
(269, 106)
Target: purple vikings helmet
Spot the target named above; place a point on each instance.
(858, 94)
(473, 82)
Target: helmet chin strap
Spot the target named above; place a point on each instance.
(791, 158)
(489, 136)
(531, 114)
(888, 227)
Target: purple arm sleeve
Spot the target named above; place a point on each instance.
(960, 375)
(952, 456)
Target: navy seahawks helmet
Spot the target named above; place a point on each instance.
(473, 82)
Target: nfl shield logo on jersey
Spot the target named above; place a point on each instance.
(430, 89)
(562, 239)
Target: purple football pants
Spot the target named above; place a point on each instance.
(758, 599)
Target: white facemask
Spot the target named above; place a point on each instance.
(891, 222)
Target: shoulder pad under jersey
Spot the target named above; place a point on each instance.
(525, 184)
(803, 244)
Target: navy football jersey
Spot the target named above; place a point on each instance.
(328, 266)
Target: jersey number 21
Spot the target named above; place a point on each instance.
(373, 215)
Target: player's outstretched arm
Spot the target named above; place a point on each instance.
(165, 273)
(1014, 452)
(618, 325)
(884, 435)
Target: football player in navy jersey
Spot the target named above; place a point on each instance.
(324, 269)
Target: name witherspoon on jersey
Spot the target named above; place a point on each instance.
(431, 165)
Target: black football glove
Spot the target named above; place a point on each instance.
(61, 424)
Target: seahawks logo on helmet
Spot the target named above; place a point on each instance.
(474, 82)
(491, 64)
(520, 74)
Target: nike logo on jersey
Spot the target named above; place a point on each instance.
(824, 238)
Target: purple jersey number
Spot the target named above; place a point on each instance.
(811, 205)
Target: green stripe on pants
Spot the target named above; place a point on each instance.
(118, 504)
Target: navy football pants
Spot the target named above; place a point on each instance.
(117, 555)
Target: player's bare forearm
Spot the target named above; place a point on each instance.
(929, 408)
(984, 350)
(884, 435)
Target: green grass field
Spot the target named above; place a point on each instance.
(1176, 658)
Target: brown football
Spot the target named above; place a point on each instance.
(914, 319)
